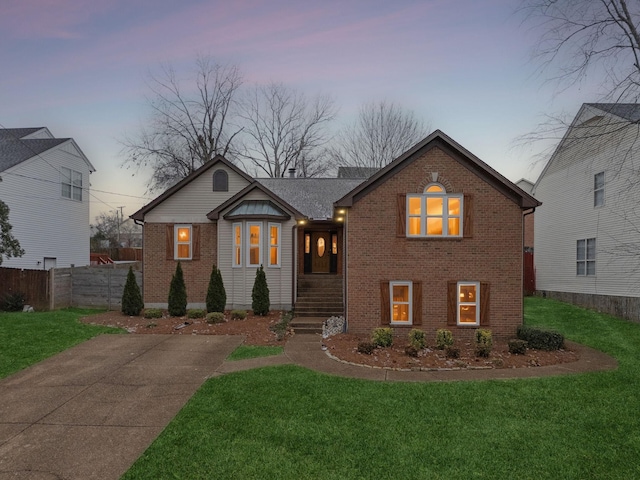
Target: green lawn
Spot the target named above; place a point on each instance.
(27, 338)
(288, 422)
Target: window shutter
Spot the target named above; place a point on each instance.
(385, 305)
(401, 220)
(452, 304)
(417, 303)
(169, 242)
(195, 232)
(484, 303)
(467, 226)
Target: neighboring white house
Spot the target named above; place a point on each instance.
(45, 183)
(587, 231)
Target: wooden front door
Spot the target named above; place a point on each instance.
(320, 252)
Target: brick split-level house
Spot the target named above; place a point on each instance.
(432, 240)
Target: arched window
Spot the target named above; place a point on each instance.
(434, 213)
(220, 181)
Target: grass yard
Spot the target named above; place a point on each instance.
(27, 338)
(287, 422)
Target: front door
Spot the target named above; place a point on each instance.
(320, 252)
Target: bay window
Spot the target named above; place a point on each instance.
(274, 245)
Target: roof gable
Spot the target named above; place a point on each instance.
(218, 159)
(439, 140)
(16, 146)
(277, 202)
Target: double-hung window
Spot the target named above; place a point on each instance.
(434, 213)
(274, 245)
(254, 236)
(586, 257)
(401, 302)
(183, 242)
(468, 303)
(237, 244)
(71, 184)
(598, 189)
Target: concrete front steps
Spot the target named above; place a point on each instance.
(319, 297)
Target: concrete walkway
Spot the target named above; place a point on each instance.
(91, 411)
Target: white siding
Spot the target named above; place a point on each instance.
(45, 223)
(193, 202)
(568, 214)
(238, 282)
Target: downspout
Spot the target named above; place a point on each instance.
(294, 273)
(141, 223)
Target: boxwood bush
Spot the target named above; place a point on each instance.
(382, 337)
(540, 339)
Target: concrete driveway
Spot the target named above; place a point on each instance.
(91, 411)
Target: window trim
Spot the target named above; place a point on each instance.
(461, 304)
(423, 215)
(71, 183)
(277, 245)
(597, 189)
(259, 244)
(409, 303)
(586, 261)
(177, 242)
(236, 253)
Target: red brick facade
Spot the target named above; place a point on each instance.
(158, 268)
(491, 255)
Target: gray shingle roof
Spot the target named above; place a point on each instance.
(628, 111)
(314, 197)
(15, 150)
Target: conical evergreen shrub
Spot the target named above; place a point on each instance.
(177, 294)
(216, 295)
(260, 294)
(132, 303)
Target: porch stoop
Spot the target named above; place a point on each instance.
(319, 297)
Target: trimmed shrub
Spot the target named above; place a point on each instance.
(260, 294)
(411, 351)
(177, 294)
(13, 302)
(484, 342)
(196, 313)
(215, 317)
(216, 295)
(152, 313)
(132, 303)
(540, 339)
(238, 314)
(517, 346)
(417, 339)
(366, 347)
(452, 352)
(444, 338)
(382, 337)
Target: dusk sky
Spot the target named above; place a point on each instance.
(79, 67)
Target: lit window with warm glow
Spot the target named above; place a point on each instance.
(274, 245)
(434, 213)
(334, 243)
(401, 308)
(254, 234)
(182, 235)
(468, 303)
(237, 244)
(307, 243)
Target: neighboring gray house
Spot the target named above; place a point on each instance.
(587, 231)
(45, 183)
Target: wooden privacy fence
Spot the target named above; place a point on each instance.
(34, 284)
(98, 286)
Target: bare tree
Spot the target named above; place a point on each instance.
(381, 132)
(114, 230)
(589, 38)
(187, 127)
(284, 129)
